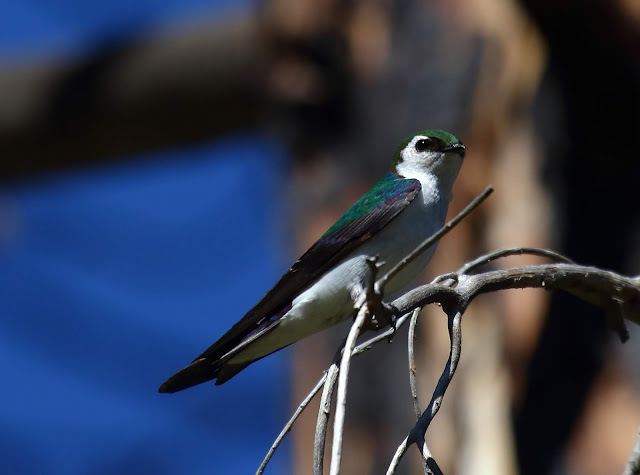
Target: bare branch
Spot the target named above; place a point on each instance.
(513, 251)
(596, 286)
(599, 287)
(431, 464)
(433, 239)
(455, 336)
(327, 380)
(412, 362)
(617, 295)
(400, 451)
(411, 339)
(633, 465)
(343, 379)
(608, 290)
(383, 336)
(370, 305)
(303, 405)
(418, 432)
(428, 459)
(323, 416)
(331, 377)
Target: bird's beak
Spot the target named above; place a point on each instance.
(457, 148)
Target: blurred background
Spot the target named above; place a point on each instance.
(162, 162)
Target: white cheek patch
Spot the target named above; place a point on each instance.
(414, 161)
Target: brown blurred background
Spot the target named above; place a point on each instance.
(545, 95)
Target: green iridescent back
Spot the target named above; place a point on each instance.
(389, 188)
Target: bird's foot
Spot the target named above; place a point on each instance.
(381, 315)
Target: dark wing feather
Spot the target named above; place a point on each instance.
(363, 220)
(373, 213)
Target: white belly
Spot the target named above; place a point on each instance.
(330, 300)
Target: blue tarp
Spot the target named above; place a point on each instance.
(115, 277)
(71, 27)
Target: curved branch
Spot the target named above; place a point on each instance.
(618, 295)
(599, 287)
(512, 251)
(418, 432)
(327, 382)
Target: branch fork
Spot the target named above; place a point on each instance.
(618, 295)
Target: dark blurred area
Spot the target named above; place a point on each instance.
(155, 160)
(593, 76)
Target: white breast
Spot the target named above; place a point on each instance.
(331, 298)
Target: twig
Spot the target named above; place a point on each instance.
(411, 339)
(369, 302)
(400, 451)
(328, 379)
(323, 415)
(418, 432)
(633, 465)
(343, 379)
(384, 336)
(596, 286)
(373, 299)
(606, 289)
(609, 290)
(303, 405)
(412, 362)
(325, 404)
(380, 284)
(432, 465)
(512, 251)
(455, 336)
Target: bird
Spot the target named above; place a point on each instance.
(406, 206)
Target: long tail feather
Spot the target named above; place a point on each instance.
(200, 371)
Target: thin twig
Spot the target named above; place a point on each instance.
(382, 282)
(455, 337)
(417, 434)
(343, 379)
(512, 251)
(428, 459)
(383, 336)
(606, 289)
(326, 400)
(370, 303)
(303, 405)
(400, 451)
(596, 286)
(633, 465)
(413, 385)
(323, 416)
(412, 362)
(325, 404)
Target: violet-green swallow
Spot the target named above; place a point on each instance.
(404, 208)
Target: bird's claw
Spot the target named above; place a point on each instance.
(382, 314)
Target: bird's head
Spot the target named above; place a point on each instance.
(430, 152)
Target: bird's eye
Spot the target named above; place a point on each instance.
(423, 144)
